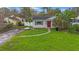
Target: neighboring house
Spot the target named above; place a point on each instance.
(13, 20)
(41, 21)
(75, 21)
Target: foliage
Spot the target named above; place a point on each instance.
(29, 19)
(68, 14)
(54, 11)
(14, 12)
(58, 21)
(20, 23)
(74, 28)
(65, 25)
(57, 11)
(63, 19)
(27, 13)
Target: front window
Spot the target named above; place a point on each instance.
(38, 22)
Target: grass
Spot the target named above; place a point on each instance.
(54, 41)
(33, 32)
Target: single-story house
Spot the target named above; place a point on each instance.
(41, 21)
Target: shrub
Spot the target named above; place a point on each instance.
(20, 24)
(74, 28)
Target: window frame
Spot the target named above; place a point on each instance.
(37, 22)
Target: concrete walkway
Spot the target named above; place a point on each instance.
(7, 35)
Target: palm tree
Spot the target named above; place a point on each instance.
(58, 21)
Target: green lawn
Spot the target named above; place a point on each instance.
(54, 41)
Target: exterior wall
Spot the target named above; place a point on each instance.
(38, 26)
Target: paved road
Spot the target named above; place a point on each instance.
(7, 35)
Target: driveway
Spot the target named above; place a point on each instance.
(7, 35)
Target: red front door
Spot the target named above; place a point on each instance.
(49, 24)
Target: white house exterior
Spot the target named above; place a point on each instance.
(40, 22)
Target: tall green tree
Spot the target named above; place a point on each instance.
(57, 11)
(51, 11)
(63, 19)
(27, 13)
(58, 20)
(68, 14)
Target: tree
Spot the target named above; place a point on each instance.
(27, 13)
(58, 21)
(34, 12)
(42, 14)
(68, 14)
(63, 18)
(57, 11)
(14, 12)
(51, 12)
(5, 11)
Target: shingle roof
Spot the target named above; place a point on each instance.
(40, 17)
